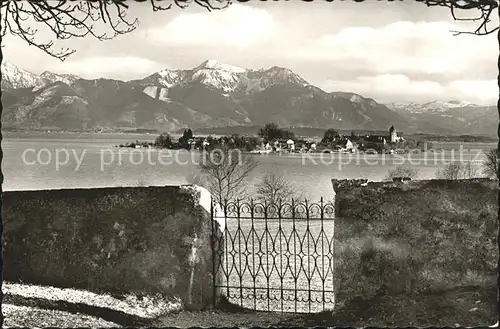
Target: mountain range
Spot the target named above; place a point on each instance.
(214, 94)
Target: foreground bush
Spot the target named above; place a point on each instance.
(457, 170)
(490, 164)
(402, 171)
(417, 243)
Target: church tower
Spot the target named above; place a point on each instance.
(393, 134)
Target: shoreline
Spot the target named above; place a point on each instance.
(7, 134)
(299, 154)
(446, 139)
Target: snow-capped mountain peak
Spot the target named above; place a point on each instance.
(15, 77)
(223, 77)
(51, 77)
(8, 67)
(458, 103)
(287, 75)
(218, 79)
(167, 73)
(216, 65)
(218, 75)
(435, 106)
(168, 78)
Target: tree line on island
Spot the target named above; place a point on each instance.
(273, 139)
(190, 142)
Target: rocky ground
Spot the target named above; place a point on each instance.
(464, 307)
(38, 306)
(35, 306)
(41, 306)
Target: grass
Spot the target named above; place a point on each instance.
(470, 306)
(30, 305)
(40, 306)
(28, 316)
(421, 256)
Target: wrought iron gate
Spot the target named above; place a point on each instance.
(275, 256)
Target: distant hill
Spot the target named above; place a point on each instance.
(217, 95)
(451, 117)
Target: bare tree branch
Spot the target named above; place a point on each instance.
(491, 163)
(457, 170)
(77, 19)
(483, 9)
(275, 189)
(224, 171)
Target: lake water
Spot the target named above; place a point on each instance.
(56, 160)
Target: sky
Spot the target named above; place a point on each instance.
(390, 51)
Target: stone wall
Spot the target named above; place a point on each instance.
(340, 185)
(143, 240)
(407, 240)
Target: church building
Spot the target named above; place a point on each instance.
(393, 135)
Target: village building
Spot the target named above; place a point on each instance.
(394, 135)
(345, 145)
(276, 146)
(377, 139)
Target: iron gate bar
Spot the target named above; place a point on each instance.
(322, 258)
(214, 253)
(253, 259)
(267, 262)
(295, 253)
(281, 214)
(281, 259)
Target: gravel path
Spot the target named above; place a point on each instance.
(35, 306)
(30, 317)
(206, 319)
(42, 306)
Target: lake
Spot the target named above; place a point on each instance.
(71, 160)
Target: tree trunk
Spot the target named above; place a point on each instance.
(498, 176)
(1, 180)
